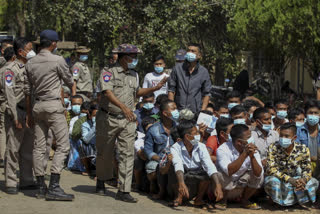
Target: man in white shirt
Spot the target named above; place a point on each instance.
(192, 166)
(153, 78)
(241, 167)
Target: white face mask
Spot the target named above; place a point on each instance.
(31, 54)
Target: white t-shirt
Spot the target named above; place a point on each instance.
(139, 143)
(152, 79)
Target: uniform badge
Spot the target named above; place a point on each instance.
(106, 76)
(8, 77)
(76, 71)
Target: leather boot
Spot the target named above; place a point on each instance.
(42, 187)
(100, 188)
(55, 192)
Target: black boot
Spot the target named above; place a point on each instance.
(126, 197)
(100, 188)
(42, 187)
(55, 193)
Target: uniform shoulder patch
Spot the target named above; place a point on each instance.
(21, 65)
(106, 76)
(75, 71)
(8, 77)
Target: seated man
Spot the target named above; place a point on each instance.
(263, 135)
(240, 115)
(83, 113)
(76, 102)
(223, 128)
(234, 99)
(76, 131)
(241, 167)
(250, 106)
(297, 116)
(158, 140)
(193, 167)
(289, 178)
(221, 110)
(281, 113)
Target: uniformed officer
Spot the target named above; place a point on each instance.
(19, 138)
(81, 74)
(116, 120)
(44, 74)
(4, 45)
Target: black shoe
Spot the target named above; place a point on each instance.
(42, 187)
(55, 192)
(1, 163)
(100, 188)
(12, 190)
(126, 197)
(29, 187)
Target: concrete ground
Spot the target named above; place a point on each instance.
(87, 202)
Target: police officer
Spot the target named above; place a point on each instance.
(81, 74)
(44, 74)
(116, 120)
(19, 138)
(4, 44)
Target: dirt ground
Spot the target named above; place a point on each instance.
(87, 202)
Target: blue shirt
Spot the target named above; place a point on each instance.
(156, 141)
(88, 132)
(303, 137)
(141, 114)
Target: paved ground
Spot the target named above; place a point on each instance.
(87, 202)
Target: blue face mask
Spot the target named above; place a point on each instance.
(282, 114)
(133, 64)
(239, 121)
(266, 127)
(83, 58)
(93, 120)
(196, 140)
(251, 140)
(299, 124)
(251, 116)
(148, 106)
(231, 105)
(76, 109)
(175, 115)
(224, 115)
(66, 101)
(158, 70)
(285, 142)
(312, 119)
(229, 137)
(83, 114)
(190, 57)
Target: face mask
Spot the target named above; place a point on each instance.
(93, 120)
(55, 51)
(285, 142)
(299, 124)
(66, 101)
(229, 137)
(266, 127)
(83, 114)
(76, 109)
(196, 140)
(30, 54)
(83, 58)
(231, 105)
(175, 115)
(224, 115)
(251, 140)
(158, 70)
(282, 114)
(190, 57)
(312, 119)
(148, 106)
(133, 64)
(239, 121)
(272, 117)
(251, 116)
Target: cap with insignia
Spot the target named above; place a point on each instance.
(83, 49)
(127, 48)
(50, 35)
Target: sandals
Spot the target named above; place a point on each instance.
(251, 206)
(174, 203)
(221, 205)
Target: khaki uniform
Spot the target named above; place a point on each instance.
(2, 61)
(81, 74)
(112, 126)
(44, 74)
(19, 141)
(3, 107)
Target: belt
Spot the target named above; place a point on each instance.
(21, 107)
(118, 116)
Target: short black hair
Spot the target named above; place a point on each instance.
(8, 53)
(233, 94)
(280, 101)
(293, 113)
(195, 45)
(164, 105)
(148, 96)
(19, 43)
(161, 98)
(206, 112)
(312, 103)
(210, 105)
(269, 105)
(5, 42)
(93, 106)
(222, 124)
(237, 110)
(147, 121)
(237, 131)
(85, 106)
(185, 127)
(45, 43)
(257, 114)
(218, 105)
(159, 57)
(291, 126)
(174, 134)
(77, 96)
(247, 104)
